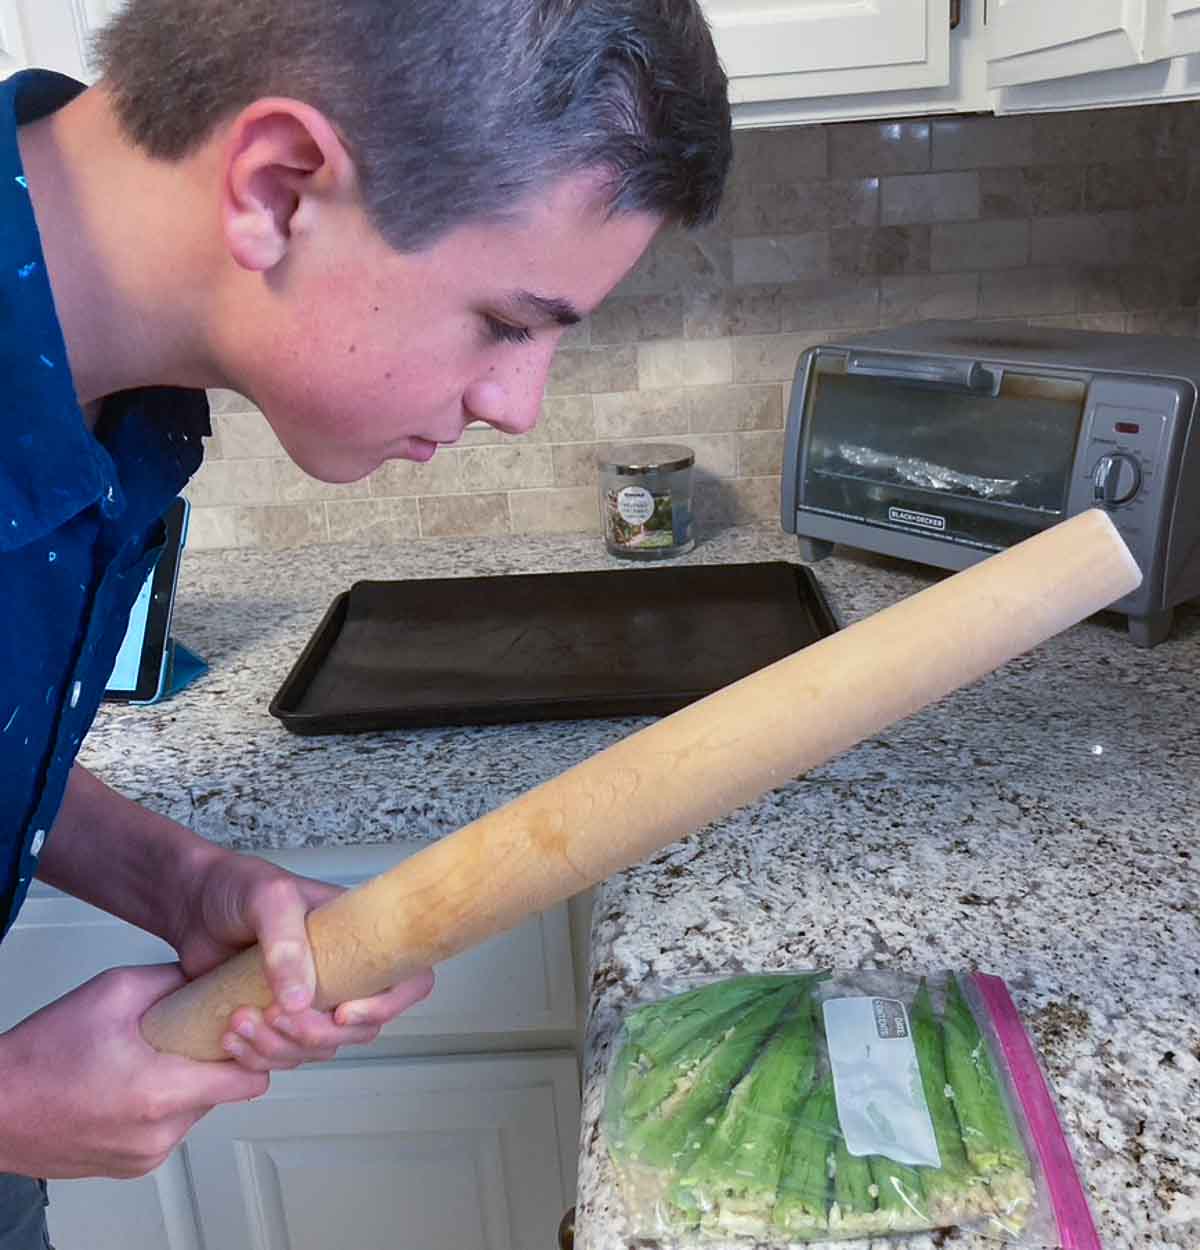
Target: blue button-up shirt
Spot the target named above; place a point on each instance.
(80, 515)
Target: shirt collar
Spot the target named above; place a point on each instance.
(51, 465)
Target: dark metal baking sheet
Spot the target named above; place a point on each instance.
(548, 646)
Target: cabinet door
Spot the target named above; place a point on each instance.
(786, 49)
(458, 1154)
(13, 54)
(154, 1212)
(1030, 40)
(1173, 28)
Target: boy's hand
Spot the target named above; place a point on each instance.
(239, 900)
(86, 1095)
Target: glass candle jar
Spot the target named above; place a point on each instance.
(646, 500)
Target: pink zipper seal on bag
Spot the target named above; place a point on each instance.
(1076, 1227)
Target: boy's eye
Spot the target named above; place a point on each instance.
(505, 331)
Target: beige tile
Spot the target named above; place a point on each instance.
(372, 520)
(770, 358)
(1134, 184)
(1163, 234)
(785, 258)
(1094, 135)
(870, 149)
(736, 501)
(979, 245)
(760, 454)
(220, 401)
(640, 414)
(716, 454)
(1107, 288)
(638, 318)
(572, 511)
(293, 485)
(928, 296)
(246, 435)
(232, 482)
(1113, 323)
(1102, 288)
(463, 516)
(210, 529)
(579, 335)
(506, 467)
(1101, 239)
(439, 476)
(735, 310)
(854, 202)
(697, 362)
(782, 155)
(575, 464)
(298, 525)
(1172, 321)
(566, 419)
(913, 198)
(212, 446)
(678, 260)
(973, 142)
(589, 371)
(829, 302)
(716, 409)
(888, 249)
(1022, 292)
(1032, 191)
(771, 208)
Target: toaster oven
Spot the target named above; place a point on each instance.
(943, 442)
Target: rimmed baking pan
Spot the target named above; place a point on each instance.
(545, 646)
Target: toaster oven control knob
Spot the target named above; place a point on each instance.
(1115, 479)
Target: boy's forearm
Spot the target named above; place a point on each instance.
(122, 857)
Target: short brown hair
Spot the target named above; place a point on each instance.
(453, 110)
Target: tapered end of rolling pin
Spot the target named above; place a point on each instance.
(697, 765)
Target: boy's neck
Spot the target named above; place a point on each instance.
(125, 250)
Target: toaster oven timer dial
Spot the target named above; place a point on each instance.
(1116, 479)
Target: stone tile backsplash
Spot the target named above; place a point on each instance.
(1078, 219)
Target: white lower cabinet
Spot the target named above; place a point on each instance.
(464, 1153)
(457, 1130)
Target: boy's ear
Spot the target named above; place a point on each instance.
(282, 159)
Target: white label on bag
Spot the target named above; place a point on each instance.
(876, 1081)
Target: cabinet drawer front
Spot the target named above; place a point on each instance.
(518, 985)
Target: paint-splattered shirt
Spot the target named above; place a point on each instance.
(80, 513)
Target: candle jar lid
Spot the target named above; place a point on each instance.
(635, 458)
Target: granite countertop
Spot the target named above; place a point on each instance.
(1040, 825)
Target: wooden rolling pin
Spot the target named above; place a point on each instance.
(678, 774)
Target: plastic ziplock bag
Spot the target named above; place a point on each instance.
(816, 1106)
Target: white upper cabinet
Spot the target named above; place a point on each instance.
(792, 49)
(1173, 28)
(13, 55)
(1030, 41)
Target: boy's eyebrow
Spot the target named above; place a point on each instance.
(550, 307)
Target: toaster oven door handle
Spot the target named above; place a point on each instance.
(950, 375)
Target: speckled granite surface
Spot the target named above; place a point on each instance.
(1041, 825)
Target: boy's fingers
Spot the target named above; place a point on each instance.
(279, 921)
(380, 1008)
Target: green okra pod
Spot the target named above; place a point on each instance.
(672, 1131)
(802, 1201)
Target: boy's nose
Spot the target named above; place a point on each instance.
(511, 405)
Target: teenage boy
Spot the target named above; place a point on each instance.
(375, 219)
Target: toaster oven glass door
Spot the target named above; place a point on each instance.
(976, 467)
